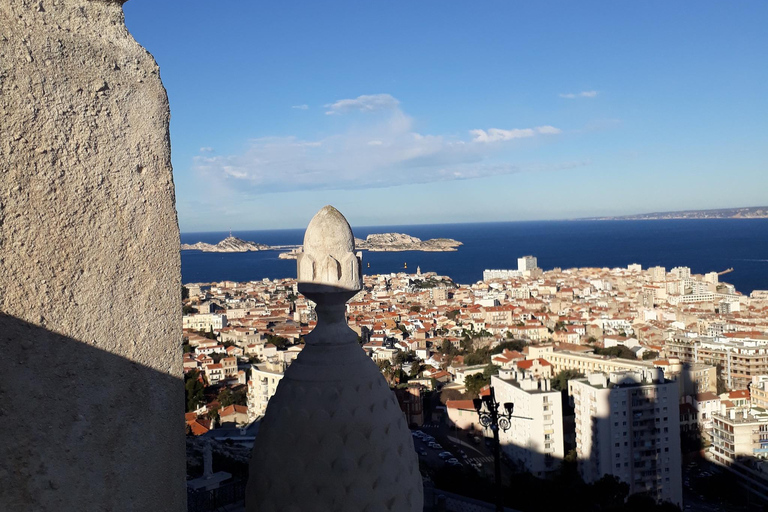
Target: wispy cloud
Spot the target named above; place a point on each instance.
(300, 107)
(582, 94)
(384, 150)
(206, 149)
(365, 103)
(497, 135)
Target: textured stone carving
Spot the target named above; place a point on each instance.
(333, 437)
(90, 324)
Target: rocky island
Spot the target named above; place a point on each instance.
(229, 244)
(394, 242)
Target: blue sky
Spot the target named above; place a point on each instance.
(416, 112)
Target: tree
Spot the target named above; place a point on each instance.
(447, 347)
(474, 383)
(619, 351)
(609, 492)
(518, 345)
(650, 354)
(225, 397)
(560, 381)
(489, 371)
(415, 309)
(184, 292)
(722, 387)
(478, 357)
(386, 369)
(450, 394)
(279, 342)
(453, 315)
(193, 390)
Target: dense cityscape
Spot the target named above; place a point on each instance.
(652, 381)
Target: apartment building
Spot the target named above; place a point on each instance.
(261, 388)
(591, 363)
(740, 356)
(739, 433)
(204, 322)
(628, 425)
(536, 443)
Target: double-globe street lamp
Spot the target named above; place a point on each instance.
(487, 409)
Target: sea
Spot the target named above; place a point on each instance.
(704, 245)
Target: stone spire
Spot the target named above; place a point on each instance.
(333, 437)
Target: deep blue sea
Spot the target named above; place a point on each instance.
(703, 245)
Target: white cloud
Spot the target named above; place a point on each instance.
(497, 135)
(206, 149)
(582, 94)
(300, 107)
(365, 103)
(381, 151)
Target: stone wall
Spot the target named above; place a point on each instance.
(91, 394)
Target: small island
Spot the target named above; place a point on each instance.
(229, 244)
(395, 242)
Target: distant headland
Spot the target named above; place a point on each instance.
(752, 212)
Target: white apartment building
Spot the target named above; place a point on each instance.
(739, 356)
(204, 322)
(527, 263)
(739, 433)
(261, 388)
(657, 274)
(489, 275)
(535, 444)
(628, 425)
(591, 363)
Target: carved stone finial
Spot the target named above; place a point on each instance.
(333, 436)
(328, 256)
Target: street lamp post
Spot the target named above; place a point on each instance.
(488, 410)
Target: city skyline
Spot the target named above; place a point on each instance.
(454, 113)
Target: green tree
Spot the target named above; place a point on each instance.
(560, 381)
(619, 351)
(474, 383)
(279, 342)
(650, 354)
(609, 492)
(184, 292)
(453, 315)
(193, 390)
(722, 387)
(518, 345)
(447, 347)
(415, 309)
(489, 371)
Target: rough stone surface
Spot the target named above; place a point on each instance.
(333, 436)
(91, 393)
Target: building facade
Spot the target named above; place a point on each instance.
(628, 425)
(536, 443)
